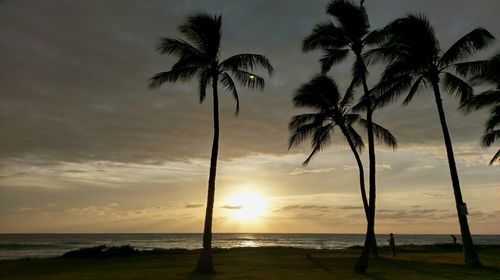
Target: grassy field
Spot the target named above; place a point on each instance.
(412, 262)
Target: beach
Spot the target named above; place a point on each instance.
(412, 262)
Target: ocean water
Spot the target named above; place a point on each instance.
(47, 245)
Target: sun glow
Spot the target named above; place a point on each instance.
(247, 206)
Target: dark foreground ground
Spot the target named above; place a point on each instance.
(412, 262)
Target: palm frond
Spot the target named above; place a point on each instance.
(325, 35)
(356, 138)
(302, 132)
(229, 85)
(203, 80)
(489, 137)
(321, 137)
(332, 57)
(471, 42)
(494, 118)
(178, 47)
(300, 120)
(376, 37)
(495, 157)
(482, 100)
(359, 72)
(173, 75)
(320, 93)
(247, 79)
(388, 91)
(415, 88)
(471, 68)
(352, 18)
(247, 62)
(454, 85)
(381, 133)
(205, 31)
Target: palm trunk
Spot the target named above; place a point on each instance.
(362, 263)
(205, 260)
(470, 255)
(360, 168)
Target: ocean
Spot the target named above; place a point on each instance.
(48, 245)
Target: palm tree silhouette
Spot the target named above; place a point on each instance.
(415, 61)
(349, 34)
(200, 59)
(331, 110)
(489, 98)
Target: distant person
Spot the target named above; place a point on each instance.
(392, 244)
(454, 239)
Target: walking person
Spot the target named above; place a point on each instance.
(392, 244)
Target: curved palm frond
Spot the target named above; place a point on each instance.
(332, 57)
(247, 62)
(356, 138)
(482, 100)
(204, 78)
(325, 35)
(489, 137)
(495, 157)
(474, 69)
(247, 79)
(415, 89)
(457, 86)
(494, 118)
(179, 48)
(181, 73)
(387, 91)
(470, 43)
(229, 85)
(320, 138)
(302, 132)
(384, 135)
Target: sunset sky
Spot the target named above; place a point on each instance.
(85, 146)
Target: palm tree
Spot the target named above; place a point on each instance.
(331, 110)
(200, 58)
(415, 61)
(489, 98)
(351, 34)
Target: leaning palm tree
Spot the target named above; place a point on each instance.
(351, 34)
(415, 61)
(489, 98)
(331, 110)
(200, 58)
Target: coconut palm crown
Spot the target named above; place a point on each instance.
(416, 61)
(199, 58)
(331, 110)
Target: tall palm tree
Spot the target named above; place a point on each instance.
(351, 34)
(331, 110)
(489, 98)
(200, 58)
(415, 61)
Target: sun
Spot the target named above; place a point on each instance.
(247, 206)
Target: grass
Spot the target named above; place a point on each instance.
(412, 262)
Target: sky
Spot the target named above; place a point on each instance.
(87, 147)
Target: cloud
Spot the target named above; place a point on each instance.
(193, 205)
(301, 170)
(350, 207)
(304, 207)
(232, 207)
